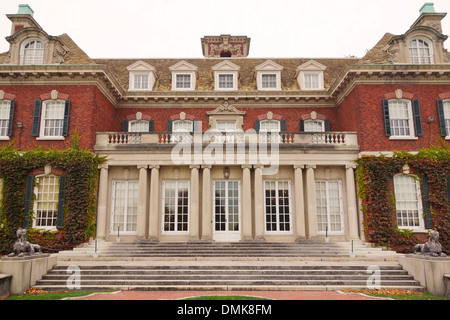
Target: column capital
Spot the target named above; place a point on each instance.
(142, 166)
(350, 166)
(299, 166)
(103, 166)
(154, 166)
(258, 166)
(246, 166)
(194, 166)
(310, 166)
(206, 166)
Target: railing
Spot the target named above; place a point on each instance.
(167, 138)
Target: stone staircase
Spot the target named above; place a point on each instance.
(152, 266)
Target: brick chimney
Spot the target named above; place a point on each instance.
(23, 19)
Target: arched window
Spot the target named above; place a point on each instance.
(32, 52)
(138, 126)
(314, 125)
(420, 52)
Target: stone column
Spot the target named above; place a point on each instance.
(154, 203)
(102, 202)
(206, 204)
(352, 209)
(311, 201)
(246, 203)
(142, 201)
(299, 202)
(194, 203)
(259, 203)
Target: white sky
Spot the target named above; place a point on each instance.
(173, 28)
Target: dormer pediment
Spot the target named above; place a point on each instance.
(269, 65)
(311, 65)
(141, 66)
(183, 66)
(226, 66)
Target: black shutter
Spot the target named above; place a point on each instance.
(36, 118)
(327, 125)
(11, 118)
(417, 118)
(426, 203)
(302, 125)
(441, 118)
(151, 125)
(61, 198)
(387, 121)
(66, 118)
(28, 198)
(169, 125)
(283, 127)
(125, 126)
(257, 125)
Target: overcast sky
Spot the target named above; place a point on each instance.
(173, 28)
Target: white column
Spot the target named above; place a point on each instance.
(194, 203)
(259, 203)
(206, 204)
(102, 202)
(154, 203)
(311, 201)
(246, 203)
(352, 209)
(142, 201)
(299, 202)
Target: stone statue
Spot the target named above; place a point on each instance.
(431, 248)
(22, 247)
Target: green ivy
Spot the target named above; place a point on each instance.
(81, 169)
(375, 189)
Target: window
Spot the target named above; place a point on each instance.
(269, 125)
(223, 125)
(330, 213)
(32, 53)
(269, 81)
(124, 206)
(401, 118)
(420, 52)
(311, 81)
(52, 121)
(142, 76)
(138, 126)
(46, 204)
(314, 126)
(226, 81)
(277, 206)
(183, 81)
(176, 206)
(182, 126)
(408, 201)
(6, 118)
(444, 117)
(140, 81)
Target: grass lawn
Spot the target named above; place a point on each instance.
(399, 294)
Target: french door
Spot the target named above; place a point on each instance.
(226, 206)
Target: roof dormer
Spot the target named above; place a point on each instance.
(225, 46)
(142, 76)
(310, 75)
(268, 75)
(184, 76)
(226, 75)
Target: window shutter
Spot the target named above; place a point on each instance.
(426, 203)
(257, 125)
(61, 198)
(169, 125)
(387, 121)
(66, 118)
(448, 190)
(302, 125)
(28, 198)
(417, 118)
(11, 118)
(283, 126)
(151, 125)
(441, 117)
(125, 126)
(36, 118)
(327, 125)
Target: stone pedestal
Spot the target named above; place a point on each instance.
(25, 271)
(5, 285)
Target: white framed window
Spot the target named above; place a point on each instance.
(52, 119)
(311, 80)
(446, 107)
(278, 217)
(401, 118)
(140, 81)
(183, 81)
(314, 125)
(175, 206)
(32, 52)
(124, 206)
(45, 206)
(329, 207)
(182, 126)
(142, 76)
(138, 126)
(408, 202)
(226, 125)
(269, 81)
(226, 81)
(420, 51)
(5, 114)
(270, 125)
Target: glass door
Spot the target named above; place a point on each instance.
(226, 211)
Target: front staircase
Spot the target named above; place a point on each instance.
(306, 265)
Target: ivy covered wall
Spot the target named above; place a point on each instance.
(375, 189)
(78, 170)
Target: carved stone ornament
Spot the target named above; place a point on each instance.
(431, 248)
(22, 247)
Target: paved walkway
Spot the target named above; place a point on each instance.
(275, 295)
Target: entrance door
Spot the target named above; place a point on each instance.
(227, 226)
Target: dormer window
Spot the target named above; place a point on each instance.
(226, 81)
(226, 76)
(140, 81)
(310, 76)
(142, 76)
(268, 76)
(420, 52)
(184, 76)
(32, 52)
